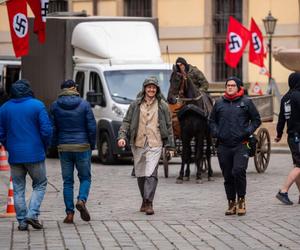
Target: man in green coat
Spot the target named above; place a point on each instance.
(147, 127)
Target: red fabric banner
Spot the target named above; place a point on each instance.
(18, 22)
(40, 10)
(256, 50)
(236, 40)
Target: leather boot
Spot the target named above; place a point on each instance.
(231, 208)
(149, 208)
(84, 213)
(69, 218)
(143, 207)
(241, 207)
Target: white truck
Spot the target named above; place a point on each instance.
(108, 58)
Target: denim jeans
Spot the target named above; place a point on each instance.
(37, 172)
(82, 162)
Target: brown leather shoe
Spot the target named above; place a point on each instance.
(149, 208)
(143, 207)
(69, 218)
(231, 208)
(84, 213)
(241, 207)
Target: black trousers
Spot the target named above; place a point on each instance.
(234, 162)
(147, 186)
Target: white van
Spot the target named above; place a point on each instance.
(108, 57)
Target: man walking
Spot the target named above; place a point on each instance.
(290, 113)
(75, 137)
(148, 122)
(25, 131)
(233, 119)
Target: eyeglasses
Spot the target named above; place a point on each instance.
(231, 85)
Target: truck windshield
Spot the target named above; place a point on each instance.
(124, 85)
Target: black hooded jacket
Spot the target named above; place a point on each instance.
(294, 122)
(285, 105)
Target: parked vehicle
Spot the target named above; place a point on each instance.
(10, 71)
(108, 57)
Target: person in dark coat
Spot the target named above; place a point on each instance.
(75, 137)
(290, 113)
(26, 131)
(233, 119)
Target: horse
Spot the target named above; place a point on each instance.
(193, 120)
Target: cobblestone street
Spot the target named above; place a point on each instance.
(187, 216)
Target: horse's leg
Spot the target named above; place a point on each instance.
(208, 157)
(179, 179)
(199, 158)
(187, 159)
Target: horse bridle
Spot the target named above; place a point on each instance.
(181, 91)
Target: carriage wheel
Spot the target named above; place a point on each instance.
(263, 150)
(165, 158)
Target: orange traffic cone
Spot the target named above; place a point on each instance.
(4, 166)
(10, 208)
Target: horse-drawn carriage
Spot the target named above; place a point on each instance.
(264, 105)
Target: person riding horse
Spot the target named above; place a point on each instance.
(183, 73)
(190, 106)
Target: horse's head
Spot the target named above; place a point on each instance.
(181, 87)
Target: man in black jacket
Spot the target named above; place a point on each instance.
(290, 112)
(233, 119)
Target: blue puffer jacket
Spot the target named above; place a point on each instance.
(25, 128)
(73, 120)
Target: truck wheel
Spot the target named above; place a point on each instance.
(105, 149)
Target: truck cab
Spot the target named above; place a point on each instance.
(10, 71)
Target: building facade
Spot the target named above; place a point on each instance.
(195, 29)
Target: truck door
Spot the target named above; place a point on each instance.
(79, 79)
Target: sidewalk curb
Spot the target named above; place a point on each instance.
(280, 150)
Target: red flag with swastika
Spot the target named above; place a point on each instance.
(40, 10)
(256, 50)
(236, 40)
(18, 22)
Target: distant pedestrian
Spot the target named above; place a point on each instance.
(74, 135)
(25, 131)
(290, 114)
(147, 128)
(233, 119)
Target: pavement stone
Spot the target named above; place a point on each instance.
(187, 216)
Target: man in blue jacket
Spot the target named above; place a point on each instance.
(25, 131)
(75, 137)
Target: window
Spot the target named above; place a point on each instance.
(222, 10)
(138, 8)
(95, 85)
(57, 5)
(79, 79)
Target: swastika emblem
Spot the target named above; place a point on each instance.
(20, 25)
(44, 9)
(235, 42)
(256, 43)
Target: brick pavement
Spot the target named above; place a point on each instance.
(188, 216)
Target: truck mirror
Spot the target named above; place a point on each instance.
(94, 98)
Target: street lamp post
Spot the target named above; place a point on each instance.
(270, 23)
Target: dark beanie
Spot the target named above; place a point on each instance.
(238, 81)
(68, 84)
(294, 80)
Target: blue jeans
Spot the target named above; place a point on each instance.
(82, 162)
(37, 172)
